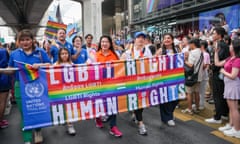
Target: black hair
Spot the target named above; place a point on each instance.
(48, 41)
(227, 39)
(236, 47)
(204, 44)
(152, 49)
(220, 31)
(187, 37)
(164, 49)
(59, 55)
(5, 45)
(111, 44)
(158, 46)
(75, 38)
(190, 34)
(221, 16)
(12, 46)
(122, 45)
(148, 37)
(195, 41)
(218, 19)
(62, 29)
(88, 36)
(211, 42)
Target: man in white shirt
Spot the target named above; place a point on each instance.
(138, 51)
(195, 60)
(89, 46)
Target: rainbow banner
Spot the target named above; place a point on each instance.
(52, 28)
(72, 93)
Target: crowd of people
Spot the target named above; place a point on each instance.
(214, 59)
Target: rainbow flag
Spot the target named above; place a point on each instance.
(52, 28)
(71, 32)
(27, 72)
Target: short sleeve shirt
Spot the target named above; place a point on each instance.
(37, 56)
(55, 48)
(185, 49)
(194, 57)
(134, 53)
(102, 58)
(232, 63)
(82, 58)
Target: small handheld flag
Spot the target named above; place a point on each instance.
(27, 71)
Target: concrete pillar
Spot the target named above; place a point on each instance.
(130, 12)
(118, 22)
(92, 18)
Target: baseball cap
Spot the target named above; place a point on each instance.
(137, 34)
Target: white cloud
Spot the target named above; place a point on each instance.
(71, 11)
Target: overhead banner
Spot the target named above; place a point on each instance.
(230, 16)
(156, 5)
(60, 94)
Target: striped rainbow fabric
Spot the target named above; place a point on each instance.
(52, 28)
(110, 87)
(27, 71)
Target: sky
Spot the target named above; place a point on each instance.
(71, 11)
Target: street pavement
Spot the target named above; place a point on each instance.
(188, 130)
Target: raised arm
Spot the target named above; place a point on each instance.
(216, 59)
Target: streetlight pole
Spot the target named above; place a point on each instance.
(124, 19)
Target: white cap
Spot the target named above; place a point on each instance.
(234, 30)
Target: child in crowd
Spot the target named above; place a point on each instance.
(64, 59)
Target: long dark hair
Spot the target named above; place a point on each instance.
(46, 41)
(59, 55)
(164, 49)
(111, 44)
(236, 47)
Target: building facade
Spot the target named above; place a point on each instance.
(182, 16)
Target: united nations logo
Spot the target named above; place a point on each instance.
(34, 89)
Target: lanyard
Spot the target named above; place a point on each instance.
(141, 53)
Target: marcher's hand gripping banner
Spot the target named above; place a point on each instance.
(73, 93)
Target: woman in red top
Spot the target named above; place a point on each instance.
(106, 53)
(231, 73)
